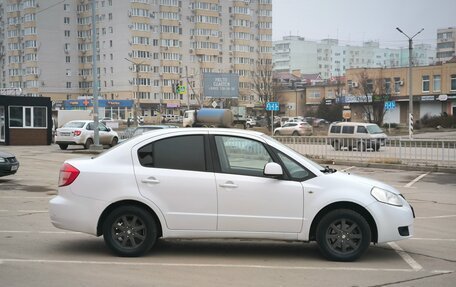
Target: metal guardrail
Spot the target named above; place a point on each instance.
(416, 152)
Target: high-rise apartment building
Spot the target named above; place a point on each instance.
(143, 48)
(446, 44)
(330, 59)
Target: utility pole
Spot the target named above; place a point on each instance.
(96, 136)
(410, 79)
(136, 98)
(188, 84)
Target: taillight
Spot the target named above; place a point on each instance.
(77, 133)
(68, 174)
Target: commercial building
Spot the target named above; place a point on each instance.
(144, 48)
(433, 89)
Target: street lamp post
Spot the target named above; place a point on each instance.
(136, 99)
(410, 79)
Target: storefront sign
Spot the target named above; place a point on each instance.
(443, 98)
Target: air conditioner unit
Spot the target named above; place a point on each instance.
(207, 37)
(130, 81)
(129, 13)
(401, 83)
(354, 84)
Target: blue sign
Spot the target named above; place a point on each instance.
(390, 105)
(272, 106)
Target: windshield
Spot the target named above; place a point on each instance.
(74, 125)
(374, 129)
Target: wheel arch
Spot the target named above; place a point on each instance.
(344, 205)
(114, 205)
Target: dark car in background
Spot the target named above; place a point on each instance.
(8, 163)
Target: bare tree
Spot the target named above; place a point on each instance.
(264, 85)
(376, 93)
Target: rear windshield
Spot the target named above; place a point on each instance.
(374, 129)
(74, 125)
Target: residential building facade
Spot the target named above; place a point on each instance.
(331, 59)
(446, 44)
(144, 48)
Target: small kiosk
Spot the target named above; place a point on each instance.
(25, 120)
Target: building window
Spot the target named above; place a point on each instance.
(437, 83)
(453, 83)
(66, 7)
(425, 84)
(67, 59)
(66, 20)
(27, 117)
(397, 85)
(68, 85)
(67, 33)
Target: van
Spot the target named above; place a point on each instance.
(359, 136)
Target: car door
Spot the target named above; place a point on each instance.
(247, 200)
(288, 129)
(105, 136)
(176, 174)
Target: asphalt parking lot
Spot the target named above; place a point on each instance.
(34, 253)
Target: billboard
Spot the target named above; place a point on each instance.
(221, 85)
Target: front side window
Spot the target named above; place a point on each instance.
(361, 130)
(295, 170)
(182, 153)
(241, 155)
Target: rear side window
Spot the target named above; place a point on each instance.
(183, 153)
(335, 129)
(348, 129)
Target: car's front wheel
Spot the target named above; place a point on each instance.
(343, 235)
(114, 141)
(130, 231)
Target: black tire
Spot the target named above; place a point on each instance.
(249, 126)
(295, 133)
(114, 141)
(63, 146)
(343, 235)
(277, 133)
(130, 231)
(88, 143)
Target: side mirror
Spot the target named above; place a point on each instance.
(272, 169)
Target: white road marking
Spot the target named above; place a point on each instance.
(5, 260)
(416, 179)
(436, 217)
(26, 197)
(407, 258)
(348, 168)
(40, 232)
(433, 239)
(25, 210)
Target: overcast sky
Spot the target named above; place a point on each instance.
(355, 21)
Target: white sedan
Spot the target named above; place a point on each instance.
(82, 133)
(191, 183)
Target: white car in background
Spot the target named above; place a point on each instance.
(223, 183)
(82, 133)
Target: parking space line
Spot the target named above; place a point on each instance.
(348, 168)
(433, 239)
(246, 266)
(407, 258)
(436, 217)
(40, 232)
(25, 210)
(416, 179)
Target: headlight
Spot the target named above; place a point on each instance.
(2, 159)
(386, 196)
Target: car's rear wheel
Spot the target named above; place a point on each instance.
(63, 146)
(343, 235)
(295, 133)
(114, 141)
(277, 133)
(130, 231)
(88, 143)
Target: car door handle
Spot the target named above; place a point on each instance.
(228, 184)
(150, 180)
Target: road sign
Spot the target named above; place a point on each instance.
(390, 105)
(181, 89)
(272, 106)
